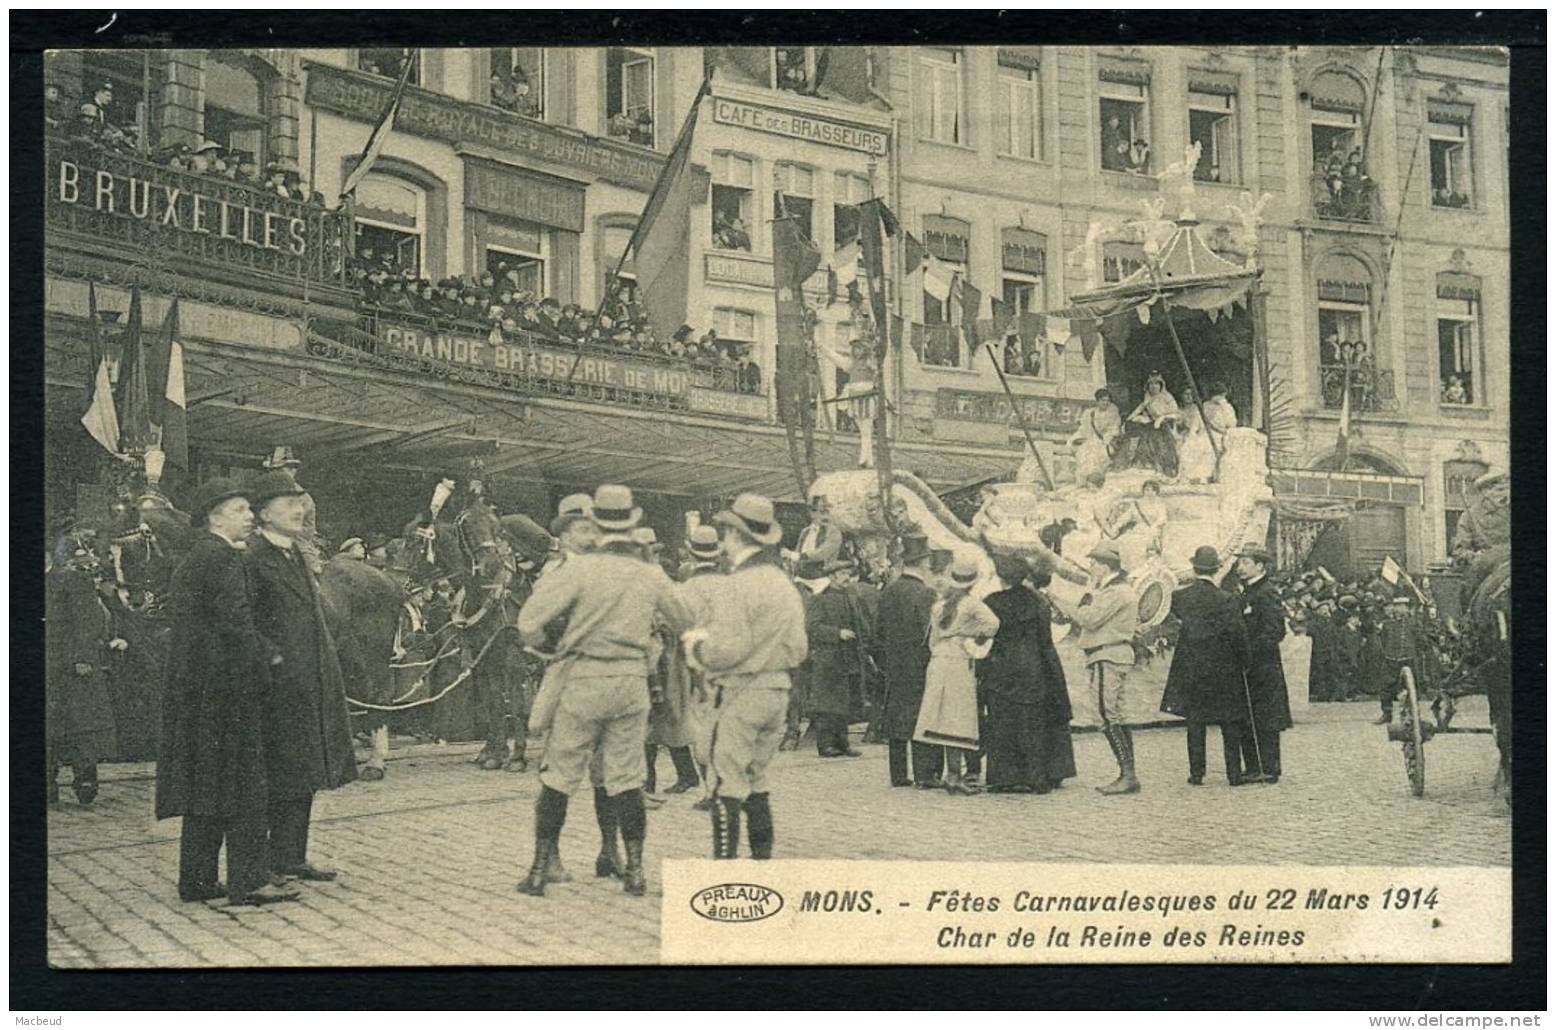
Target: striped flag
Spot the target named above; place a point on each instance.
(375, 142)
(133, 398)
(101, 417)
(169, 409)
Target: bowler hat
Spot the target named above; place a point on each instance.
(574, 507)
(612, 508)
(964, 570)
(1106, 551)
(703, 542)
(1205, 559)
(270, 485)
(213, 492)
(753, 515)
(1257, 552)
(915, 547)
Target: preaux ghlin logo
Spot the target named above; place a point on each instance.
(737, 902)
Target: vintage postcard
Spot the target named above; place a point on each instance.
(636, 504)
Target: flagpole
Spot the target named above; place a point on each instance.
(1048, 480)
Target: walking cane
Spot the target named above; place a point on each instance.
(1253, 732)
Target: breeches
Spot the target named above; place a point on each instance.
(746, 734)
(608, 715)
(1109, 681)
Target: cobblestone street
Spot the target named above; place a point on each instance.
(429, 857)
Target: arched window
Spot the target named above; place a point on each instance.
(613, 238)
(1342, 187)
(391, 220)
(1458, 339)
(235, 106)
(950, 241)
(1346, 350)
(1024, 264)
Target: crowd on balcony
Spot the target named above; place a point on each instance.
(512, 91)
(1341, 362)
(494, 304)
(1343, 189)
(92, 124)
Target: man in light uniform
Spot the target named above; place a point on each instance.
(701, 583)
(610, 598)
(1107, 618)
(747, 650)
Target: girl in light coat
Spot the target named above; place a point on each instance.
(961, 629)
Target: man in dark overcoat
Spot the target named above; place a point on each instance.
(77, 628)
(308, 735)
(902, 652)
(1264, 622)
(1205, 680)
(833, 636)
(212, 768)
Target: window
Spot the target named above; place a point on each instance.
(794, 68)
(391, 219)
(733, 362)
(1121, 259)
(734, 179)
(1018, 111)
(1124, 109)
(234, 108)
(1346, 360)
(1459, 478)
(1213, 125)
(948, 239)
(629, 95)
(848, 191)
(518, 80)
(516, 252)
(1341, 186)
(1457, 343)
(126, 119)
(1449, 130)
(613, 243)
(796, 186)
(940, 115)
(1024, 258)
(390, 61)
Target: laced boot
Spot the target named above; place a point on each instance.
(535, 882)
(1126, 782)
(726, 827)
(550, 814)
(634, 827)
(759, 826)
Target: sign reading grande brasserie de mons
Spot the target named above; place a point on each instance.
(799, 126)
(361, 96)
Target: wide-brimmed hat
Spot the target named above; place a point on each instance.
(1258, 552)
(270, 485)
(644, 536)
(213, 492)
(703, 542)
(1206, 559)
(612, 508)
(915, 547)
(753, 515)
(574, 508)
(1106, 550)
(963, 571)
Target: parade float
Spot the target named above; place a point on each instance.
(1186, 320)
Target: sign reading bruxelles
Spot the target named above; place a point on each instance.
(799, 126)
(539, 361)
(177, 205)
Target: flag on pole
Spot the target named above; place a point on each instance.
(972, 305)
(1391, 570)
(913, 255)
(662, 240)
(101, 417)
(133, 398)
(938, 277)
(169, 410)
(375, 142)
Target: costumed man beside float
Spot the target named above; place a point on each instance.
(307, 730)
(748, 652)
(1107, 619)
(610, 597)
(1205, 680)
(212, 769)
(1264, 620)
(700, 589)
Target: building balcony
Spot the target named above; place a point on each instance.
(1346, 198)
(129, 214)
(1372, 390)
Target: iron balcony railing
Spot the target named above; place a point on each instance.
(1345, 198)
(154, 214)
(1371, 389)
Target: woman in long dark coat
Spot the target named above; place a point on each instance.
(1027, 733)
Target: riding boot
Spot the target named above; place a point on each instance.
(634, 827)
(685, 771)
(759, 825)
(550, 814)
(726, 827)
(1125, 750)
(651, 755)
(609, 862)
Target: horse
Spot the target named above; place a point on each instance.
(487, 558)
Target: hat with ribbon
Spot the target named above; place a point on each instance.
(963, 571)
(703, 542)
(915, 547)
(753, 515)
(612, 508)
(574, 508)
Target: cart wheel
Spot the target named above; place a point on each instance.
(1413, 746)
